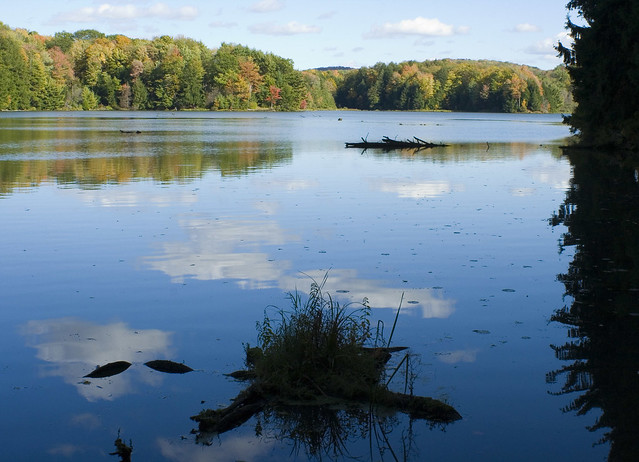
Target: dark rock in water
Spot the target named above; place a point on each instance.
(109, 370)
(170, 367)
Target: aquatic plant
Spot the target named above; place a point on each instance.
(317, 353)
(317, 348)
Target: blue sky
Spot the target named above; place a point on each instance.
(323, 33)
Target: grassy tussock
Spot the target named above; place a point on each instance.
(315, 348)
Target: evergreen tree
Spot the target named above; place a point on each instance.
(604, 65)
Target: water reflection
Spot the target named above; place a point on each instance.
(86, 163)
(72, 348)
(246, 448)
(323, 432)
(602, 282)
(465, 152)
(232, 249)
(417, 189)
(346, 283)
(224, 249)
(458, 356)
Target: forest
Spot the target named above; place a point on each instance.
(88, 70)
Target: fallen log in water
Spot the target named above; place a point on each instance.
(389, 143)
(253, 400)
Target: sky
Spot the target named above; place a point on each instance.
(351, 33)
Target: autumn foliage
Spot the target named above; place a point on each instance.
(88, 70)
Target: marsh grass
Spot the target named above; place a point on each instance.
(316, 347)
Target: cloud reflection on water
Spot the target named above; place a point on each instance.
(72, 348)
(234, 448)
(458, 356)
(230, 249)
(418, 189)
(345, 283)
(216, 249)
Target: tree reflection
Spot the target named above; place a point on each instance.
(601, 212)
(112, 161)
(337, 433)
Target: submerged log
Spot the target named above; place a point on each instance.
(254, 399)
(418, 407)
(248, 403)
(389, 143)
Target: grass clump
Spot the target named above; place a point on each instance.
(316, 349)
(318, 354)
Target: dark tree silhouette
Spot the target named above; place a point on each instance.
(604, 65)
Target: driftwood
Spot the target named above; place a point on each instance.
(389, 143)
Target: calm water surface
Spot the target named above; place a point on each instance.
(170, 244)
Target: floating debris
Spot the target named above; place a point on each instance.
(169, 367)
(109, 369)
(389, 143)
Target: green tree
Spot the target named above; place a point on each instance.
(14, 89)
(88, 34)
(139, 95)
(604, 65)
(89, 99)
(106, 89)
(62, 40)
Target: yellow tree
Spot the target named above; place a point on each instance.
(250, 75)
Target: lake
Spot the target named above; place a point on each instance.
(142, 236)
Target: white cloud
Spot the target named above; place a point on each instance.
(71, 348)
(458, 356)
(129, 12)
(418, 190)
(222, 24)
(291, 28)
(266, 6)
(430, 27)
(525, 27)
(327, 15)
(546, 47)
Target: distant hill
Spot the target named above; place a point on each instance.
(332, 68)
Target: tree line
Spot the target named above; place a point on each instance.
(89, 70)
(457, 85)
